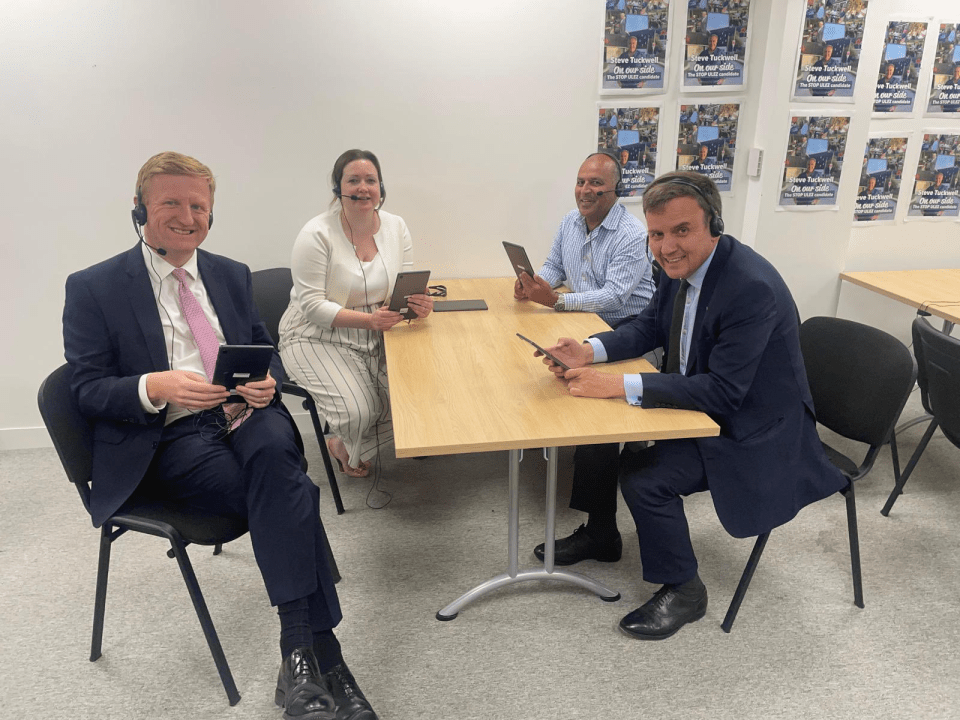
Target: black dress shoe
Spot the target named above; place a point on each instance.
(351, 704)
(580, 546)
(670, 608)
(301, 691)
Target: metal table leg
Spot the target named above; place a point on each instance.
(514, 574)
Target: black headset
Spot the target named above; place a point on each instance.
(139, 213)
(716, 222)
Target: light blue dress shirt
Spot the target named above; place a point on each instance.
(607, 270)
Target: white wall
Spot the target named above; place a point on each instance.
(479, 111)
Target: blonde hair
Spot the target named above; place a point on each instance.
(173, 163)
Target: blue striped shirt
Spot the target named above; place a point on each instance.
(607, 270)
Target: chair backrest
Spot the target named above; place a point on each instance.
(939, 358)
(860, 377)
(921, 369)
(71, 433)
(271, 293)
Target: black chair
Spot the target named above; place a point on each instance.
(271, 293)
(860, 379)
(938, 375)
(72, 437)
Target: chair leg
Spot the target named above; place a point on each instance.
(895, 456)
(213, 641)
(100, 599)
(218, 548)
(325, 454)
(851, 499)
(745, 579)
(914, 459)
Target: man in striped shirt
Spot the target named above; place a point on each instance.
(600, 254)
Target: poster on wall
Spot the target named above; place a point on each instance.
(716, 44)
(829, 54)
(880, 176)
(635, 46)
(707, 141)
(935, 193)
(631, 134)
(899, 68)
(813, 163)
(945, 83)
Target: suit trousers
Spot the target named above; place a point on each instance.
(595, 469)
(653, 481)
(254, 472)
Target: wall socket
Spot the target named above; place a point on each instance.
(754, 162)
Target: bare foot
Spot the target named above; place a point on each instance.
(339, 453)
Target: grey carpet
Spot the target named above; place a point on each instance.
(799, 649)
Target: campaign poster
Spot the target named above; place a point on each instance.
(631, 134)
(707, 141)
(830, 50)
(945, 85)
(935, 193)
(880, 176)
(814, 161)
(635, 46)
(716, 44)
(899, 67)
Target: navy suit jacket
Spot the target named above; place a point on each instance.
(746, 372)
(112, 335)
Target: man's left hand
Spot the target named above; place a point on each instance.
(258, 393)
(539, 290)
(587, 382)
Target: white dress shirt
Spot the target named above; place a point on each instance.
(181, 348)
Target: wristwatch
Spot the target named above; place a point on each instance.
(559, 305)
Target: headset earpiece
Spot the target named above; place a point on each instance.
(139, 212)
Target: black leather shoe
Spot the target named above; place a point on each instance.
(301, 691)
(351, 704)
(580, 546)
(670, 608)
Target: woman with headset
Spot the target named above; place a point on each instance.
(344, 265)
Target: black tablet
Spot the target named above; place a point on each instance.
(407, 284)
(518, 258)
(240, 364)
(458, 305)
(550, 356)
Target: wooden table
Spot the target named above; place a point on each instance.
(934, 291)
(464, 382)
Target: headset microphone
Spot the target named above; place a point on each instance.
(353, 197)
(136, 226)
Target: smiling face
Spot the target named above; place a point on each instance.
(361, 179)
(827, 53)
(178, 213)
(679, 236)
(633, 43)
(713, 42)
(597, 174)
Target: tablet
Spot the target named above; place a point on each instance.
(550, 356)
(240, 364)
(518, 258)
(407, 284)
(457, 305)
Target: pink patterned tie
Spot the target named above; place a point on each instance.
(201, 328)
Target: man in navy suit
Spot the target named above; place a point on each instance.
(735, 355)
(137, 334)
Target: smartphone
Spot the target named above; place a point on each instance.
(553, 358)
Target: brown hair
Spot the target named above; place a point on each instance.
(173, 163)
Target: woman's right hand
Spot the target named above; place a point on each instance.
(383, 319)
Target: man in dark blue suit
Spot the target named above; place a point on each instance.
(732, 350)
(140, 331)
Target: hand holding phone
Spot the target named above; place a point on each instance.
(553, 358)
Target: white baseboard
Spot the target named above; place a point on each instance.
(24, 438)
(37, 437)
